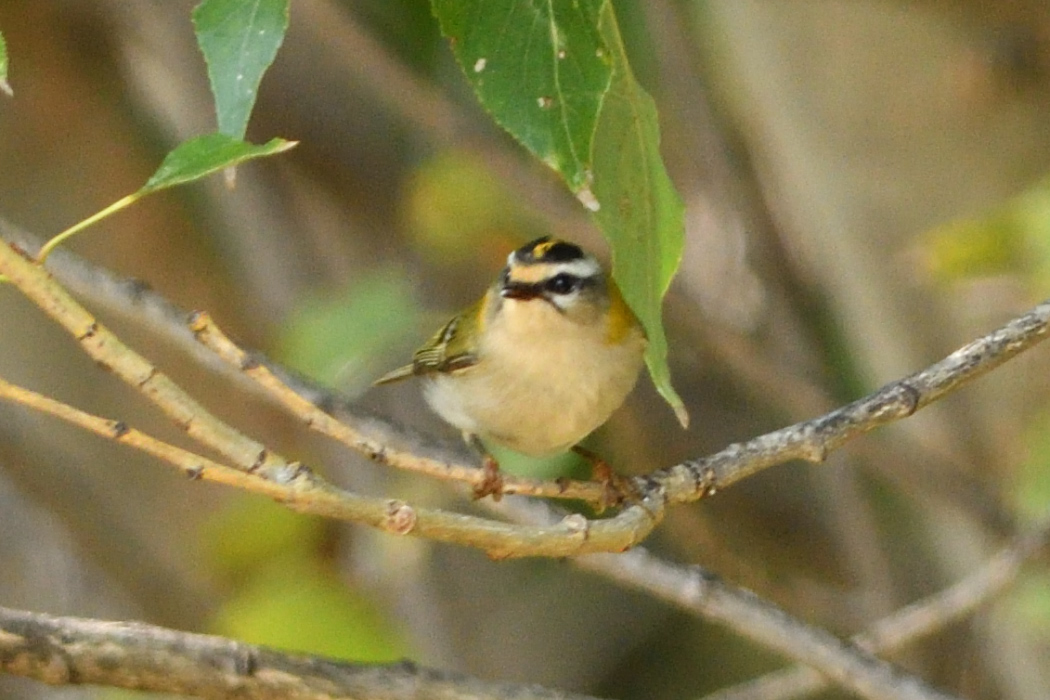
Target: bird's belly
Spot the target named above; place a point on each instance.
(541, 405)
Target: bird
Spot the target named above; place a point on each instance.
(543, 359)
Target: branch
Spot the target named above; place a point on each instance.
(700, 593)
(136, 656)
(267, 472)
(814, 439)
(810, 440)
(920, 619)
(694, 590)
(205, 330)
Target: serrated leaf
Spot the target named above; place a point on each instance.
(203, 155)
(540, 68)
(555, 75)
(5, 87)
(239, 40)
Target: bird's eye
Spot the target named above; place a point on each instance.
(563, 283)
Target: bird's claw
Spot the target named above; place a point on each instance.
(491, 483)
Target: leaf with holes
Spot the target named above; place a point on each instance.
(555, 75)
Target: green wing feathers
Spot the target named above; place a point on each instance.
(451, 349)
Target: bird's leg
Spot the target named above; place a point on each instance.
(492, 480)
(618, 489)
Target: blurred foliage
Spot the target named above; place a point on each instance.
(1013, 239)
(568, 464)
(342, 340)
(406, 26)
(458, 214)
(4, 86)
(286, 591)
(250, 531)
(1028, 604)
(1032, 484)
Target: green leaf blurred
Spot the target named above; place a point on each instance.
(556, 76)
(285, 591)
(458, 213)
(566, 464)
(342, 340)
(1029, 602)
(1032, 485)
(239, 40)
(1012, 239)
(296, 604)
(250, 531)
(4, 85)
(204, 155)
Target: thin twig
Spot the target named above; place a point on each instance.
(136, 656)
(698, 592)
(637, 576)
(298, 486)
(212, 337)
(908, 624)
(812, 440)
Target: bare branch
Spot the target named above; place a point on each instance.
(812, 440)
(759, 621)
(212, 337)
(298, 487)
(908, 624)
(76, 651)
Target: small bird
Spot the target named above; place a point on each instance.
(538, 363)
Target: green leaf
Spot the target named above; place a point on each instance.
(640, 212)
(203, 155)
(540, 68)
(4, 85)
(239, 40)
(191, 160)
(295, 603)
(346, 340)
(555, 75)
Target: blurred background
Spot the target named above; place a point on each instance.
(866, 190)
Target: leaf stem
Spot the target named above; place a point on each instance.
(122, 203)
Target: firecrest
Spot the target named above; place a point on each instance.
(542, 360)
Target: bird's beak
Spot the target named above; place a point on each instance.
(520, 291)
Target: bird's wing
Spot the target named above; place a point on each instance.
(451, 349)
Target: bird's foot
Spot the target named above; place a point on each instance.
(617, 489)
(491, 483)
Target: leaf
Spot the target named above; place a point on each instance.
(555, 75)
(191, 160)
(640, 212)
(239, 40)
(5, 87)
(296, 604)
(203, 155)
(346, 340)
(540, 68)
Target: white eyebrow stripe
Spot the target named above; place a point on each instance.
(583, 268)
